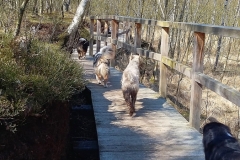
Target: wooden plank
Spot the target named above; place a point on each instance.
(98, 34)
(114, 36)
(139, 146)
(148, 155)
(104, 17)
(106, 28)
(225, 91)
(196, 88)
(157, 131)
(128, 34)
(91, 38)
(138, 32)
(203, 28)
(148, 54)
(163, 68)
(233, 32)
(187, 71)
(148, 140)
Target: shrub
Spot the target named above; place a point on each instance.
(42, 75)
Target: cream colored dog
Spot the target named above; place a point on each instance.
(101, 64)
(130, 82)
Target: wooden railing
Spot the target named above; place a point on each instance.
(198, 79)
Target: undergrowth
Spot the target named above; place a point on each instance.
(32, 76)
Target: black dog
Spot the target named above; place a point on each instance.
(219, 143)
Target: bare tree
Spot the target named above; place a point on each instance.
(19, 22)
(220, 38)
(35, 11)
(41, 7)
(72, 30)
(77, 19)
(66, 5)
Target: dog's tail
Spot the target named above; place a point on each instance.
(107, 52)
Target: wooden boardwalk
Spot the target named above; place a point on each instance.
(156, 132)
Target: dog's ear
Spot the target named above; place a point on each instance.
(131, 56)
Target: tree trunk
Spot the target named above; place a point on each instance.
(72, 30)
(19, 22)
(41, 7)
(66, 5)
(35, 9)
(77, 19)
(220, 38)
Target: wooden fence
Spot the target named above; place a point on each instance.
(198, 79)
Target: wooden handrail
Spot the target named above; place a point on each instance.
(198, 79)
(195, 27)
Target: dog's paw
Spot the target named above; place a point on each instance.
(132, 114)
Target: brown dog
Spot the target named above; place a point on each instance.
(82, 47)
(101, 64)
(130, 83)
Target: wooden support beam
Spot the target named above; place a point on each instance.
(163, 67)
(106, 27)
(138, 32)
(187, 71)
(91, 38)
(196, 88)
(114, 36)
(224, 91)
(98, 34)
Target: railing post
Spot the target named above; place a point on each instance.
(114, 36)
(91, 38)
(106, 30)
(196, 88)
(138, 32)
(127, 24)
(98, 35)
(163, 67)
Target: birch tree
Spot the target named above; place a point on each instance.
(77, 19)
(72, 30)
(20, 15)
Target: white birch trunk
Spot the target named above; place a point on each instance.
(78, 17)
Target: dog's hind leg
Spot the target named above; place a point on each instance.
(133, 101)
(126, 95)
(105, 83)
(98, 80)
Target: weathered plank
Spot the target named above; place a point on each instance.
(194, 27)
(91, 38)
(187, 71)
(196, 88)
(106, 28)
(138, 32)
(98, 34)
(163, 68)
(223, 90)
(114, 36)
(157, 131)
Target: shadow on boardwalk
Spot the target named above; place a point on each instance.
(157, 131)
